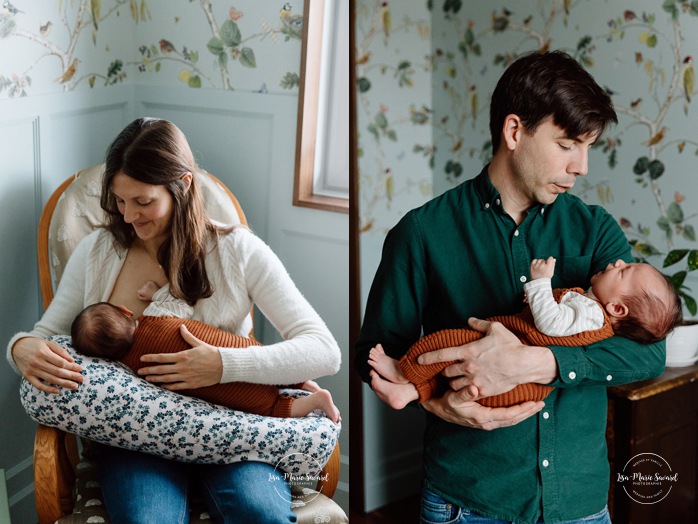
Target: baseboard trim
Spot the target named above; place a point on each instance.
(16, 472)
(403, 477)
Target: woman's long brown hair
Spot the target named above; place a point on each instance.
(156, 152)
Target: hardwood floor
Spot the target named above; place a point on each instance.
(401, 512)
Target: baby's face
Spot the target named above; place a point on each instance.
(621, 279)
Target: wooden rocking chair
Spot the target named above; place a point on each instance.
(59, 471)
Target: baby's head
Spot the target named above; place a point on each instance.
(103, 330)
(641, 302)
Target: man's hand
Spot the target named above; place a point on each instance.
(496, 363)
(457, 408)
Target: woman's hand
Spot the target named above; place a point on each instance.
(46, 365)
(193, 368)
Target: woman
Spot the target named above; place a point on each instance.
(157, 230)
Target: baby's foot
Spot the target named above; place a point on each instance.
(397, 396)
(388, 367)
(322, 400)
(325, 404)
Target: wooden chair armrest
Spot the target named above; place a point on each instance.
(55, 457)
(331, 470)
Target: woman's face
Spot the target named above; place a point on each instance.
(148, 208)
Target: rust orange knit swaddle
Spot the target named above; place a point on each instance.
(161, 335)
(430, 383)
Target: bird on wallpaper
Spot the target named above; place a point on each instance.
(629, 15)
(385, 21)
(500, 21)
(658, 137)
(8, 9)
(166, 46)
(688, 76)
(363, 58)
(45, 29)
(293, 23)
(68, 73)
(419, 116)
(635, 104)
(7, 15)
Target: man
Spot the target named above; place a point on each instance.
(466, 254)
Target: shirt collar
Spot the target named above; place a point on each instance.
(491, 199)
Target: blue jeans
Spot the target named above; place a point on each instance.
(437, 510)
(144, 489)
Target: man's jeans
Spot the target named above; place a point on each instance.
(436, 510)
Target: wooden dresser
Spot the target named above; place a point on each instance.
(658, 416)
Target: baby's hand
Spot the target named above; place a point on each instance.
(542, 268)
(148, 290)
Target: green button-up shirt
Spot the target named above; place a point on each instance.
(462, 255)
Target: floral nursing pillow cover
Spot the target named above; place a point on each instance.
(114, 406)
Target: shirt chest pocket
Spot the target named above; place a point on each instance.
(572, 271)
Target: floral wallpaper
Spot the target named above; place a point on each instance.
(393, 47)
(643, 171)
(50, 46)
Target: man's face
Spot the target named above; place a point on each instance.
(548, 162)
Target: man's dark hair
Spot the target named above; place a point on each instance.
(539, 85)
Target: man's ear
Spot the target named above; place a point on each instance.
(186, 178)
(617, 310)
(512, 130)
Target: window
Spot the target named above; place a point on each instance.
(322, 142)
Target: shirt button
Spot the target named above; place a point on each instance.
(523, 278)
(516, 233)
(572, 375)
(609, 378)
(546, 415)
(546, 463)
(487, 205)
(497, 202)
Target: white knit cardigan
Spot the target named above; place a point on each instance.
(242, 270)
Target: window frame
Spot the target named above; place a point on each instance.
(307, 123)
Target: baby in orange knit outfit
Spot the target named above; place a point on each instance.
(631, 300)
(108, 331)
